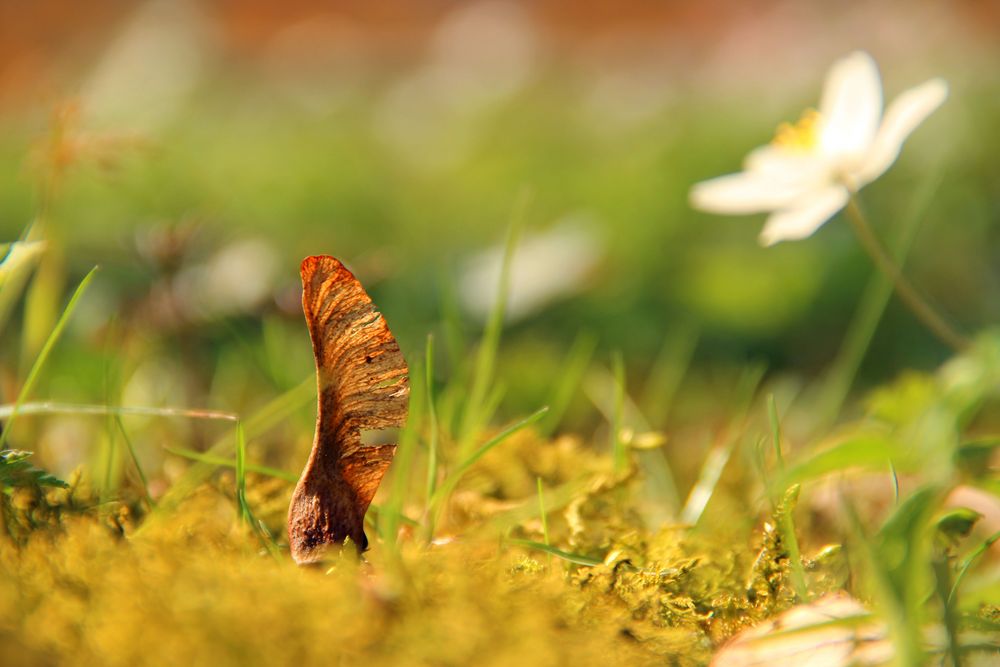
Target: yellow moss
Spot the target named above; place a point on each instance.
(102, 584)
(193, 589)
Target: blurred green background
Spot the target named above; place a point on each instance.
(218, 143)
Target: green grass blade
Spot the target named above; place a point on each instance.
(392, 509)
(432, 442)
(895, 483)
(967, 563)
(222, 462)
(772, 415)
(574, 367)
(541, 511)
(482, 377)
(870, 451)
(619, 453)
(135, 459)
(942, 587)
(241, 473)
(659, 490)
(786, 527)
(43, 355)
(272, 414)
(110, 455)
(455, 338)
(243, 511)
(451, 481)
(669, 369)
(892, 609)
(576, 559)
(556, 498)
(720, 453)
(785, 508)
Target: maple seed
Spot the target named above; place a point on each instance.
(362, 383)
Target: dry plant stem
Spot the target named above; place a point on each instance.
(917, 304)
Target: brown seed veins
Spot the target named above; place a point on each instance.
(362, 383)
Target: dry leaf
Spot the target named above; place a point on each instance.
(362, 385)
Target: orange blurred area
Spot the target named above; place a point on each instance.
(46, 46)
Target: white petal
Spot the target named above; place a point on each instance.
(902, 117)
(745, 192)
(851, 106)
(793, 168)
(805, 217)
(784, 163)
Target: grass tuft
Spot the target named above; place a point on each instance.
(43, 354)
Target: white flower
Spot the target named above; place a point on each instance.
(808, 172)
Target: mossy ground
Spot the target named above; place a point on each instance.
(114, 584)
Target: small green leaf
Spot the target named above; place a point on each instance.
(17, 471)
(958, 522)
(17, 260)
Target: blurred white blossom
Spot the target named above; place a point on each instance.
(544, 267)
(808, 172)
(236, 279)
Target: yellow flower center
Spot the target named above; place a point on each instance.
(800, 136)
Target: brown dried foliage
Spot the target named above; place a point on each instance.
(362, 385)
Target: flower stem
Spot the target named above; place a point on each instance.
(917, 304)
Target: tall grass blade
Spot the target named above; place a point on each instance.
(576, 559)
(772, 416)
(555, 499)
(784, 512)
(659, 489)
(41, 302)
(619, 454)
(786, 527)
(243, 511)
(720, 453)
(241, 473)
(574, 367)
(668, 372)
(272, 414)
(943, 586)
(541, 511)
(43, 355)
(455, 341)
(473, 418)
(905, 635)
(222, 462)
(432, 438)
(392, 509)
(454, 476)
(135, 460)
